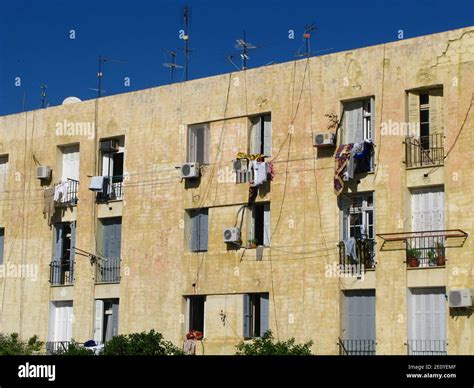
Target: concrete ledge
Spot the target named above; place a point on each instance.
(59, 293)
(111, 209)
(107, 291)
(426, 277)
(416, 176)
(67, 214)
(367, 281)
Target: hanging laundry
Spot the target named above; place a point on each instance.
(60, 191)
(270, 171)
(259, 173)
(350, 248)
(363, 156)
(97, 184)
(342, 157)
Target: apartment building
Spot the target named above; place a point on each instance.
(326, 199)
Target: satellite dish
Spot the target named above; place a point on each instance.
(71, 100)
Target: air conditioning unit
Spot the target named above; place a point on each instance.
(460, 298)
(189, 170)
(107, 146)
(324, 139)
(232, 235)
(43, 172)
(240, 165)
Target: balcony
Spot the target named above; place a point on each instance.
(424, 151)
(365, 254)
(65, 193)
(113, 189)
(107, 270)
(356, 347)
(427, 347)
(61, 273)
(52, 347)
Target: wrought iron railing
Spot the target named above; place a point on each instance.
(61, 273)
(108, 270)
(53, 347)
(351, 347)
(113, 189)
(424, 151)
(66, 193)
(364, 252)
(426, 251)
(427, 347)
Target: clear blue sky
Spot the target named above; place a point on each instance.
(35, 43)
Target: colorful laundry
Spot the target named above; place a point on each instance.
(343, 154)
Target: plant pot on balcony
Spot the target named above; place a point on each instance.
(413, 262)
(441, 260)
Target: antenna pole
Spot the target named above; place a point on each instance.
(186, 39)
(307, 35)
(99, 76)
(244, 54)
(43, 95)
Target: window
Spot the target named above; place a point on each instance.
(62, 264)
(198, 143)
(255, 315)
(260, 224)
(425, 108)
(106, 319)
(109, 271)
(112, 159)
(198, 229)
(261, 135)
(60, 322)
(2, 244)
(358, 120)
(196, 312)
(427, 209)
(358, 217)
(358, 322)
(70, 163)
(3, 173)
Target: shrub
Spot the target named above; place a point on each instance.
(267, 346)
(74, 349)
(149, 344)
(11, 345)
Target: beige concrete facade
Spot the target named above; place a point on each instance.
(158, 270)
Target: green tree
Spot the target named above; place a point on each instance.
(267, 346)
(141, 344)
(11, 345)
(74, 349)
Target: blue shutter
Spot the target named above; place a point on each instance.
(359, 322)
(112, 238)
(247, 316)
(203, 230)
(2, 244)
(263, 314)
(72, 252)
(58, 245)
(115, 318)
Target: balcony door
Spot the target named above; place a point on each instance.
(427, 209)
(60, 321)
(70, 166)
(427, 321)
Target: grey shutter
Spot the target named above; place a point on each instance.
(72, 252)
(2, 244)
(99, 321)
(58, 245)
(115, 318)
(194, 231)
(264, 313)
(207, 145)
(199, 133)
(266, 225)
(267, 132)
(247, 316)
(372, 118)
(256, 136)
(359, 311)
(191, 144)
(203, 230)
(112, 238)
(353, 130)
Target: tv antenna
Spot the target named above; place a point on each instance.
(100, 74)
(44, 97)
(307, 42)
(243, 46)
(186, 16)
(172, 65)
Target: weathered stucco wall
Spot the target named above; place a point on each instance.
(157, 270)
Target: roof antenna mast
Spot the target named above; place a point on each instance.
(44, 97)
(172, 65)
(186, 15)
(244, 46)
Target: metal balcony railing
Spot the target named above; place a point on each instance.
(426, 251)
(424, 151)
(427, 347)
(67, 193)
(365, 254)
(348, 347)
(108, 270)
(61, 273)
(113, 189)
(53, 347)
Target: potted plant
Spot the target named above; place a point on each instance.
(432, 258)
(252, 243)
(441, 258)
(412, 257)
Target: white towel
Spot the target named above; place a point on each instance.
(259, 173)
(97, 183)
